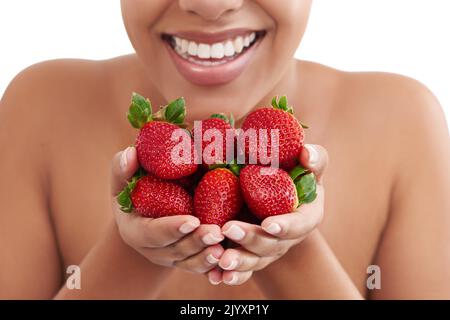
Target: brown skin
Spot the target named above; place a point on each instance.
(386, 182)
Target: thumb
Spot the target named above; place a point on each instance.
(315, 158)
(124, 165)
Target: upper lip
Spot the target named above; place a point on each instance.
(211, 37)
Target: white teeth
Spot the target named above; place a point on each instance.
(247, 41)
(184, 46)
(239, 44)
(217, 51)
(229, 49)
(204, 51)
(192, 48)
(252, 36)
(177, 41)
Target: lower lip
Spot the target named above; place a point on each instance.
(212, 75)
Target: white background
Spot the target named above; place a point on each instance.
(411, 37)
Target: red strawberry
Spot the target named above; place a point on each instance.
(154, 144)
(271, 191)
(153, 197)
(278, 117)
(218, 122)
(217, 198)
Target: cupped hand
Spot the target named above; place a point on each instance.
(174, 241)
(261, 245)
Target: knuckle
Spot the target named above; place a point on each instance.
(176, 254)
(270, 248)
(267, 251)
(280, 251)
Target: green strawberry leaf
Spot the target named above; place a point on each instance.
(304, 126)
(297, 172)
(124, 197)
(140, 111)
(224, 117)
(235, 167)
(310, 198)
(231, 121)
(306, 188)
(217, 165)
(274, 102)
(282, 103)
(175, 112)
(220, 116)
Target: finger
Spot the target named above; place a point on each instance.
(205, 235)
(251, 237)
(315, 158)
(235, 278)
(161, 232)
(203, 261)
(124, 165)
(215, 276)
(299, 223)
(239, 260)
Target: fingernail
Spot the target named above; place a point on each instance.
(124, 159)
(235, 233)
(233, 280)
(231, 266)
(213, 282)
(211, 259)
(188, 227)
(273, 228)
(313, 155)
(210, 239)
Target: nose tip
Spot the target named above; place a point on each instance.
(210, 9)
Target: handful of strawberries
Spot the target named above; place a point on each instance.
(215, 171)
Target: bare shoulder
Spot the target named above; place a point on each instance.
(47, 82)
(378, 100)
(405, 110)
(382, 91)
(44, 101)
(389, 91)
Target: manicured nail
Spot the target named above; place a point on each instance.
(235, 233)
(209, 239)
(211, 259)
(231, 266)
(273, 228)
(213, 282)
(313, 155)
(188, 227)
(124, 159)
(234, 280)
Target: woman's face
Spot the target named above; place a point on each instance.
(220, 55)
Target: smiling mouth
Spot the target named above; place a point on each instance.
(210, 59)
(210, 52)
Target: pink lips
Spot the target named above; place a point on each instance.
(215, 74)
